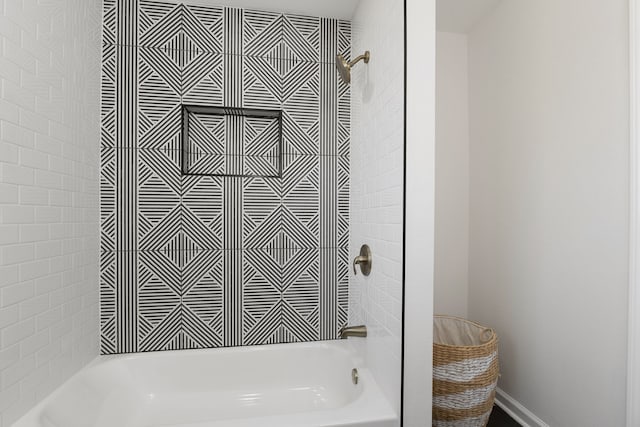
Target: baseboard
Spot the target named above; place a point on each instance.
(517, 411)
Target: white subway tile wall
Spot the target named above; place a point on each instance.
(49, 153)
(377, 169)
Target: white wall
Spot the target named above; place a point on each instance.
(452, 175)
(419, 211)
(49, 148)
(377, 150)
(549, 225)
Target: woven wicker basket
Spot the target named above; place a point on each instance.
(465, 372)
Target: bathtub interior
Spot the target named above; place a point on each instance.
(218, 387)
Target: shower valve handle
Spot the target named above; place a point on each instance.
(358, 260)
(363, 260)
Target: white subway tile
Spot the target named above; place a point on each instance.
(8, 152)
(9, 112)
(13, 254)
(16, 293)
(30, 44)
(36, 378)
(59, 296)
(48, 352)
(14, 94)
(8, 276)
(34, 196)
(49, 109)
(15, 333)
(61, 198)
(18, 371)
(47, 179)
(9, 396)
(61, 329)
(33, 306)
(34, 233)
(9, 29)
(34, 343)
(8, 70)
(9, 234)
(376, 186)
(61, 231)
(49, 248)
(8, 193)
(9, 355)
(34, 270)
(61, 132)
(34, 121)
(47, 214)
(8, 316)
(48, 318)
(14, 174)
(14, 133)
(60, 165)
(33, 158)
(46, 144)
(14, 52)
(34, 84)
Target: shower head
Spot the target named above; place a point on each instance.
(344, 67)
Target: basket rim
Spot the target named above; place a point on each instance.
(492, 341)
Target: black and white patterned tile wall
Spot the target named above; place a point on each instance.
(197, 261)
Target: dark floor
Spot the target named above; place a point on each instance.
(499, 418)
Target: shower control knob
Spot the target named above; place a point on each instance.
(363, 260)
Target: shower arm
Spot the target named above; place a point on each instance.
(364, 57)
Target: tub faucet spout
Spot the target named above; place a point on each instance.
(352, 331)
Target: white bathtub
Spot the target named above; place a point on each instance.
(307, 384)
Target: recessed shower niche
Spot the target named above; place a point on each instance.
(223, 141)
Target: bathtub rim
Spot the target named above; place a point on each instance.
(370, 406)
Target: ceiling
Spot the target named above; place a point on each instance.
(339, 9)
(459, 16)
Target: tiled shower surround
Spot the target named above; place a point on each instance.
(195, 261)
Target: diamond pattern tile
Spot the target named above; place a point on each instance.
(199, 261)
